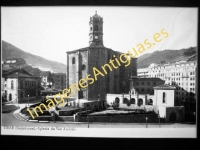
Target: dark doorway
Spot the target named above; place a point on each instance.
(150, 102)
(132, 100)
(80, 94)
(10, 97)
(125, 100)
(140, 101)
(117, 100)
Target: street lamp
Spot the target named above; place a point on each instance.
(28, 100)
(87, 115)
(146, 122)
(159, 118)
(184, 106)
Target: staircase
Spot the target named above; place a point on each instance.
(21, 116)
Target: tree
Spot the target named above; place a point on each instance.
(162, 62)
(191, 51)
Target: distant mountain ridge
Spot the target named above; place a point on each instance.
(11, 51)
(188, 54)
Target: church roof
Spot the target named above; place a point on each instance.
(88, 48)
(165, 86)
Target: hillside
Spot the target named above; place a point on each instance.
(10, 51)
(187, 54)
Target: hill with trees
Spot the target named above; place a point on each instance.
(161, 57)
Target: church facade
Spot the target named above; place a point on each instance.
(96, 70)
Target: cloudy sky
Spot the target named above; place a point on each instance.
(52, 31)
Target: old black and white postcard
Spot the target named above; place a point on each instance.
(99, 71)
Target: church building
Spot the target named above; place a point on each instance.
(94, 71)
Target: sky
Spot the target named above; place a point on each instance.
(50, 32)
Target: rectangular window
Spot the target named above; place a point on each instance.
(164, 97)
(148, 83)
(142, 83)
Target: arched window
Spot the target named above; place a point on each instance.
(150, 102)
(83, 67)
(73, 60)
(164, 97)
(125, 100)
(12, 85)
(117, 100)
(132, 101)
(140, 102)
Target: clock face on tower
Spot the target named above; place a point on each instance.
(96, 37)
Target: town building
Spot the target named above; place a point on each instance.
(14, 63)
(182, 75)
(58, 81)
(163, 102)
(46, 79)
(81, 64)
(143, 72)
(20, 86)
(145, 85)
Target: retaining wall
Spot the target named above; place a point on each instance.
(136, 118)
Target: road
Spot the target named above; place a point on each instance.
(9, 120)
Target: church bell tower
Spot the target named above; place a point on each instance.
(96, 31)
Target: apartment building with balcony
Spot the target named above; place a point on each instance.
(180, 74)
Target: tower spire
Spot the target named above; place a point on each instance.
(96, 30)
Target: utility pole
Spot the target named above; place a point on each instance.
(17, 97)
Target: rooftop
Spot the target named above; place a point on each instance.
(45, 73)
(165, 86)
(96, 16)
(147, 79)
(12, 73)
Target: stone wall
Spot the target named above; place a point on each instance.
(137, 118)
(175, 114)
(111, 80)
(26, 99)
